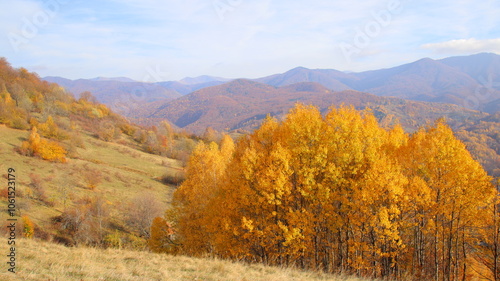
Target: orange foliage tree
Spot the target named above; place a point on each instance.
(161, 236)
(28, 227)
(47, 150)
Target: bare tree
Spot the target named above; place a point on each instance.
(141, 212)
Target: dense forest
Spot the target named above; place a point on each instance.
(341, 194)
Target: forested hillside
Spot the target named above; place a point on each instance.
(243, 104)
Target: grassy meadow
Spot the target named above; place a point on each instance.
(47, 261)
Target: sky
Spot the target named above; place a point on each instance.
(163, 40)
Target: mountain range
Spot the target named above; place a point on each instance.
(468, 81)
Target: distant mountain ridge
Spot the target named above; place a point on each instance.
(329, 78)
(125, 95)
(482, 67)
(455, 80)
(122, 97)
(119, 79)
(202, 79)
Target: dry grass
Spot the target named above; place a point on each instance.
(46, 261)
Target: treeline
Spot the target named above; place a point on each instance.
(341, 194)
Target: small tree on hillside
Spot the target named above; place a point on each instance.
(28, 227)
(141, 212)
(161, 239)
(47, 150)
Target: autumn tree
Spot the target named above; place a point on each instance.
(450, 192)
(166, 137)
(45, 149)
(10, 113)
(211, 135)
(99, 210)
(49, 129)
(161, 239)
(107, 131)
(28, 227)
(141, 211)
(87, 97)
(206, 169)
(84, 222)
(488, 250)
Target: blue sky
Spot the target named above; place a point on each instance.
(159, 40)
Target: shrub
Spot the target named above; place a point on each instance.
(19, 123)
(92, 177)
(28, 227)
(141, 212)
(37, 190)
(175, 179)
(47, 150)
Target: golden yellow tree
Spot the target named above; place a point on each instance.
(47, 150)
(49, 129)
(451, 193)
(28, 227)
(192, 219)
(161, 236)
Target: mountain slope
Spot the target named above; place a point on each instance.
(325, 77)
(425, 80)
(82, 170)
(484, 67)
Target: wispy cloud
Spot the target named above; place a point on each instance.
(254, 38)
(465, 46)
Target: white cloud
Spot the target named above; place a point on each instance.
(465, 46)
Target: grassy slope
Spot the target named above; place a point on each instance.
(126, 172)
(46, 261)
